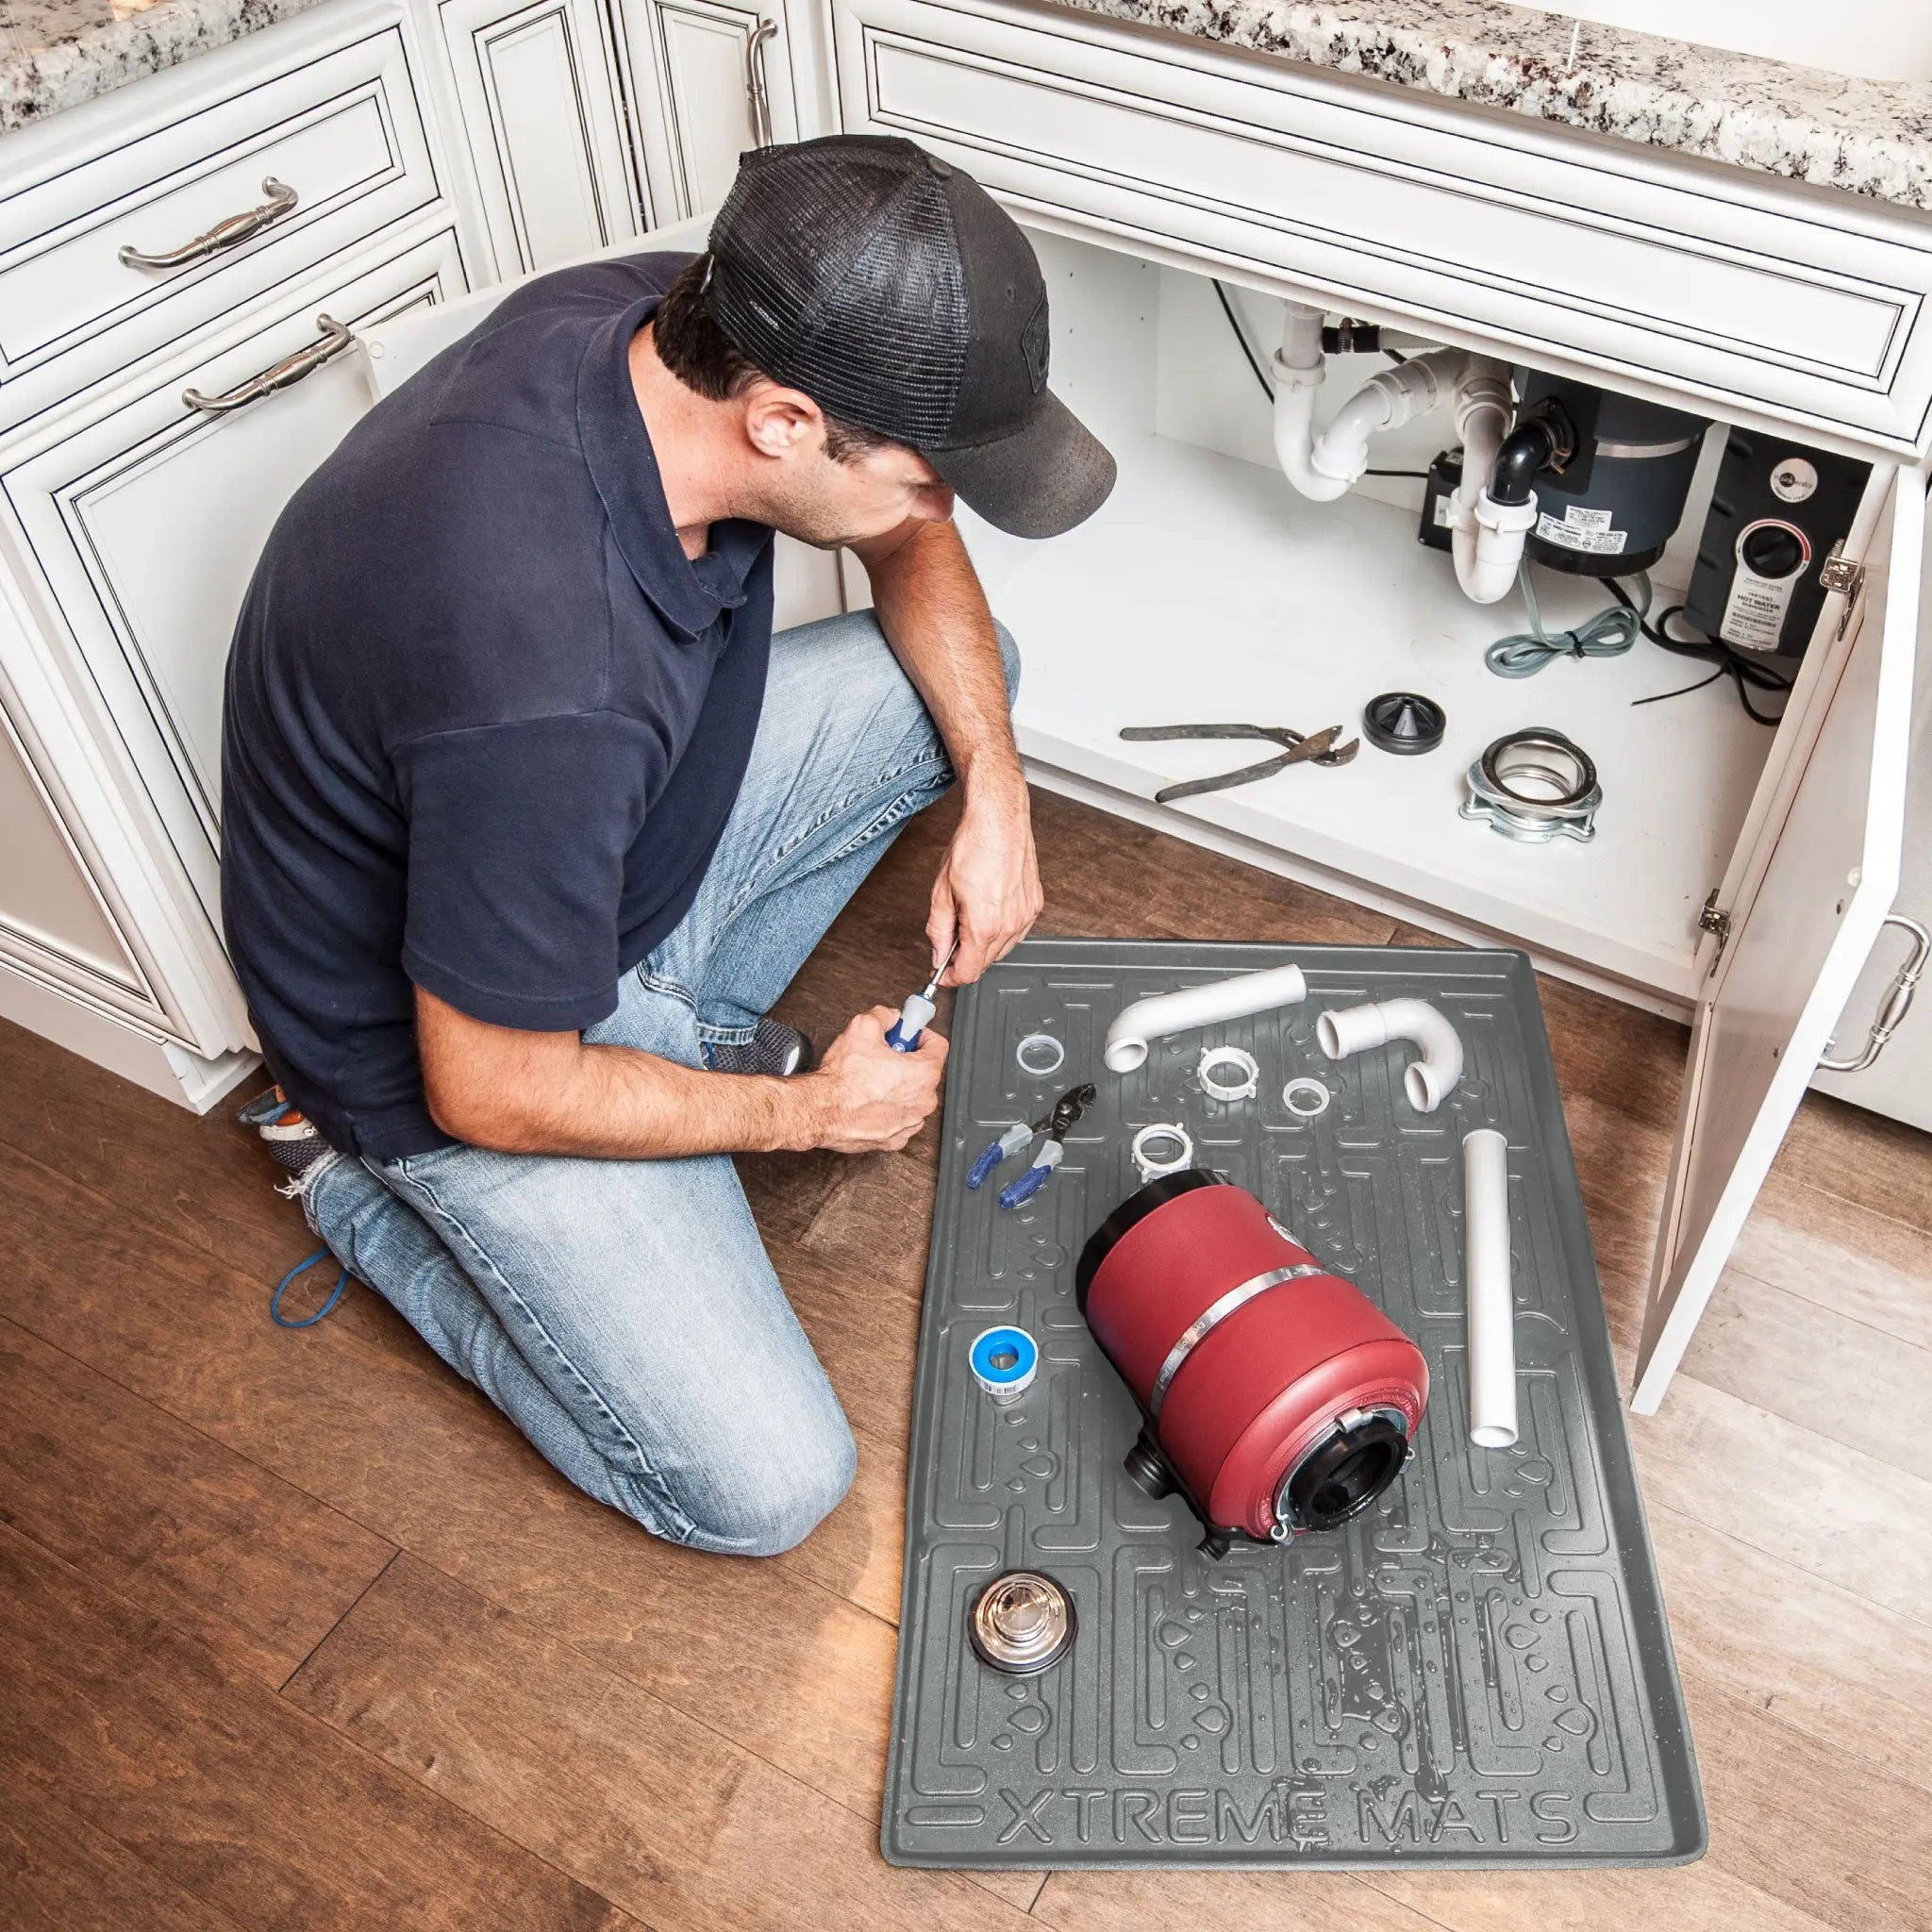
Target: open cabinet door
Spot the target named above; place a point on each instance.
(1814, 888)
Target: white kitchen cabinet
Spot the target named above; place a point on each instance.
(544, 124)
(141, 520)
(707, 80)
(1796, 918)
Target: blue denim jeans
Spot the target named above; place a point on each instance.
(623, 1313)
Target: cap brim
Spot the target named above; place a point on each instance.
(1038, 482)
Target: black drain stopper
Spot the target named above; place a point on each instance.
(1403, 721)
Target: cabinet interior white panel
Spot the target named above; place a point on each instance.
(47, 905)
(1206, 588)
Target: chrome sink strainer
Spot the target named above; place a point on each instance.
(1022, 1621)
(1535, 785)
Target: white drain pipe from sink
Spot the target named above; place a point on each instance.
(1486, 1275)
(1323, 468)
(1153, 1018)
(1427, 1082)
(1486, 537)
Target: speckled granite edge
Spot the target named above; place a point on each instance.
(56, 53)
(1866, 137)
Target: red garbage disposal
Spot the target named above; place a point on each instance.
(1276, 1396)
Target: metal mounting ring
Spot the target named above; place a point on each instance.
(1305, 1098)
(1151, 1168)
(1039, 1055)
(1213, 1059)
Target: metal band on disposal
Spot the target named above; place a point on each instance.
(1212, 1318)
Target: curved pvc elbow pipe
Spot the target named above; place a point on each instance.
(1486, 1272)
(1294, 415)
(1428, 1081)
(1148, 1020)
(1387, 401)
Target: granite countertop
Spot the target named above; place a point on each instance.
(1864, 137)
(1867, 137)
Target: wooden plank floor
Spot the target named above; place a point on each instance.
(295, 1631)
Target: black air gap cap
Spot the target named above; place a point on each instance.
(891, 289)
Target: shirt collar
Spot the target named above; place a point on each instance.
(690, 594)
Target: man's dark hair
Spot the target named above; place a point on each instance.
(694, 349)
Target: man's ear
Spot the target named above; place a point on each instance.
(780, 422)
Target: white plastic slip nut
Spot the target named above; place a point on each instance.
(1305, 1098)
(1217, 1062)
(1039, 1055)
(1151, 1165)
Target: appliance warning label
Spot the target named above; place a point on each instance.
(1582, 529)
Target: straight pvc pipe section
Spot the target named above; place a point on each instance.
(1492, 1312)
(1153, 1019)
(1428, 1081)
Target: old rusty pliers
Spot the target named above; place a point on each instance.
(1298, 748)
(1067, 1110)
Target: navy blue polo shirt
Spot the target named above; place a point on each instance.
(485, 719)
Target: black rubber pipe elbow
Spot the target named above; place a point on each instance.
(1530, 447)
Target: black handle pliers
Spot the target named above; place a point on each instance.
(1298, 748)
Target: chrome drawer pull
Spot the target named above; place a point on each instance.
(229, 234)
(1897, 1002)
(756, 93)
(290, 368)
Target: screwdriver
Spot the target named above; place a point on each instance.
(902, 1036)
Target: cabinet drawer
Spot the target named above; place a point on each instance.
(320, 157)
(142, 523)
(1736, 290)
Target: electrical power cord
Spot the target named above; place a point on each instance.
(1240, 335)
(1748, 672)
(1608, 634)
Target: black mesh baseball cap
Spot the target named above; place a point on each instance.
(891, 289)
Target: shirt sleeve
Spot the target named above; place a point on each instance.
(518, 838)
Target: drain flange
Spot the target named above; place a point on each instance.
(1020, 1623)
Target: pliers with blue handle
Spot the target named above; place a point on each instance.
(1067, 1110)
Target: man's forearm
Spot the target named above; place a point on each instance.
(935, 616)
(552, 1094)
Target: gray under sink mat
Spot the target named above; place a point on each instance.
(1476, 1672)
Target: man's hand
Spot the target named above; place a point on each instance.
(988, 890)
(869, 1098)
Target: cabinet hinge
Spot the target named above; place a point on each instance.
(1839, 573)
(1712, 920)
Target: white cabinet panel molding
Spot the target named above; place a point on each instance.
(109, 252)
(537, 93)
(142, 523)
(707, 81)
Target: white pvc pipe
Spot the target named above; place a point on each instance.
(1387, 401)
(1492, 1312)
(1299, 370)
(1484, 537)
(1428, 1081)
(1153, 1019)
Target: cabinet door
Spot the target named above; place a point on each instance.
(145, 521)
(1815, 881)
(707, 81)
(538, 96)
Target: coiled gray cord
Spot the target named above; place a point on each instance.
(1608, 634)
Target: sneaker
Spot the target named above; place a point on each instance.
(292, 1142)
(774, 1049)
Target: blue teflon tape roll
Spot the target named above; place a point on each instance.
(1003, 1361)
